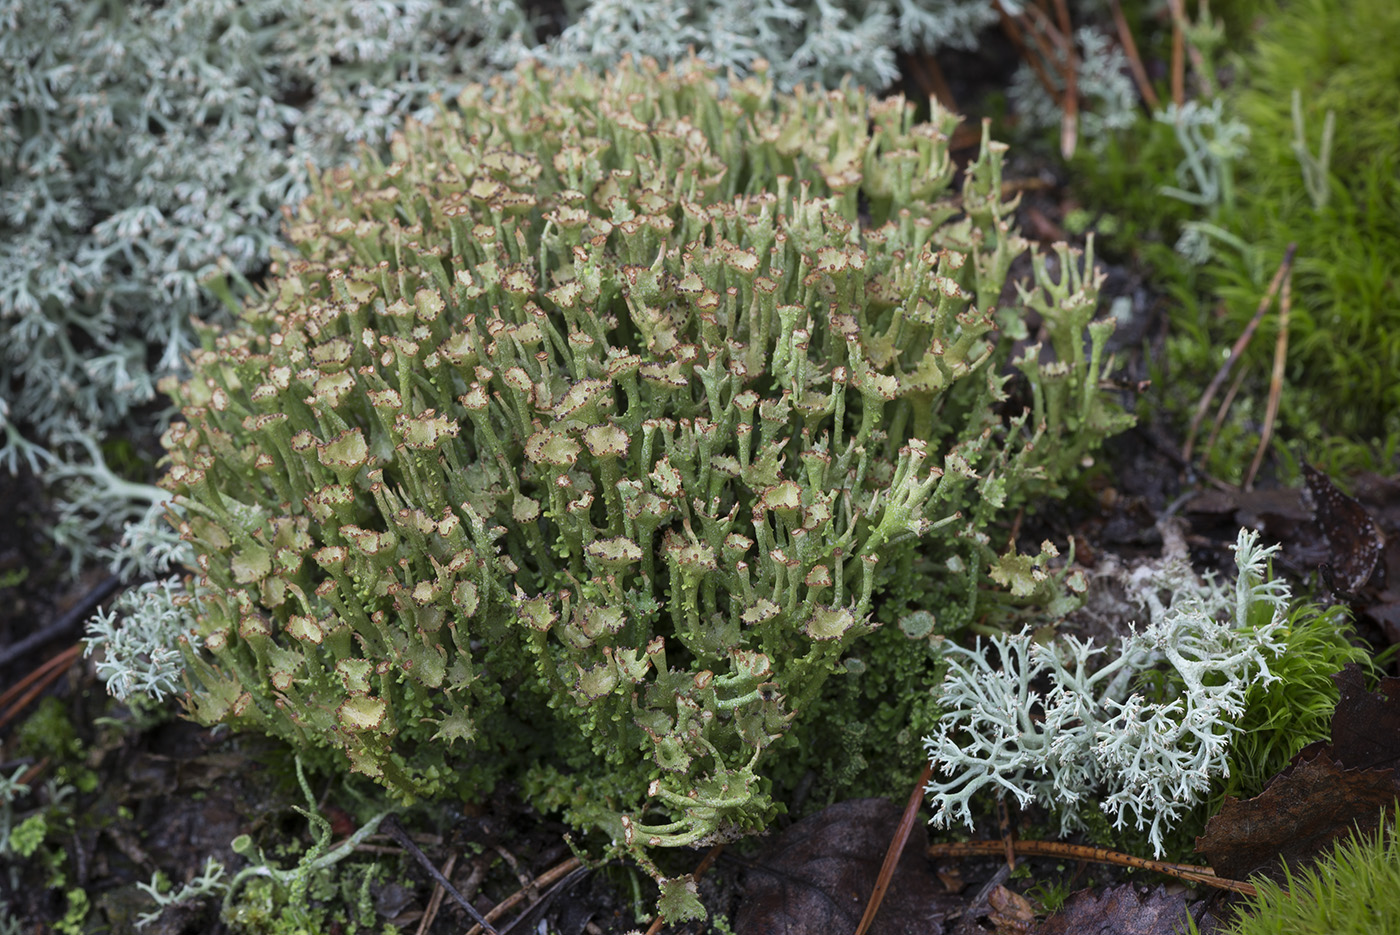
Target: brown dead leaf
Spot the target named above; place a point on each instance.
(1279, 515)
(1297, 818)
(1121, 910)
(952, 879)
(1355, 544)
(1010, 912)
(1326, 792)
(816, 876)
(1352, 542)
(1366, 725)
(1386, 616)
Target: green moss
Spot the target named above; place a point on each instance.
(1355, 890)
(26, 836)
(1340, 401)
(1286, 715)
(75, 915)
(49, 732)
(1345, 332)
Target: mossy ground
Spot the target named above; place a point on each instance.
(1340, 404)
(169, 795)
(1353, 891)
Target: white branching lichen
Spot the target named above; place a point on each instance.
(139, 638)
(1097, 732)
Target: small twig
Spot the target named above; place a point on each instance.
(545, 879)
(1130, 49)
(967, 925)
(896, 849)
(1240, 344)
(391, 827)
(1285, 306)
(67, 622)
(37, 682)
(527, 885)
(1203, 875)
(1008, 840)
(435, 901)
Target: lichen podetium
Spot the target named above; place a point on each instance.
(593, 427)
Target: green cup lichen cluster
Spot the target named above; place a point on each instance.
(581, 439)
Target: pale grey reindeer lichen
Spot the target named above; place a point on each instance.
(1109, 101)
(145, 146)
(139, 639)
(1094, 733)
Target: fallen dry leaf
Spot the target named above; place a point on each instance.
(1296, 818)
(816, 876)
(952, 880)
(1010, 912)
(1386, 616)
(1327, 791)
(1279, 515)
(1355, 544)
(1366, 725)
(1122, 910)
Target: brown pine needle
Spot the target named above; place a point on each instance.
(540, 883)
(435, 901)
(1178, 53)
(34, 772)
(1285, 306)
(1048, 42)
(1130, 49)
(39, 672)
(1012, 27)
(896, 848)
(931, 80)
(1240, 344)
(1223, 411)
(36, 682)
(1053, 46)
(1101, 855)
(1069, 123)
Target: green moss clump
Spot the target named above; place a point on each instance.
(1355, 890)
(584, 439)
(1294, 710)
